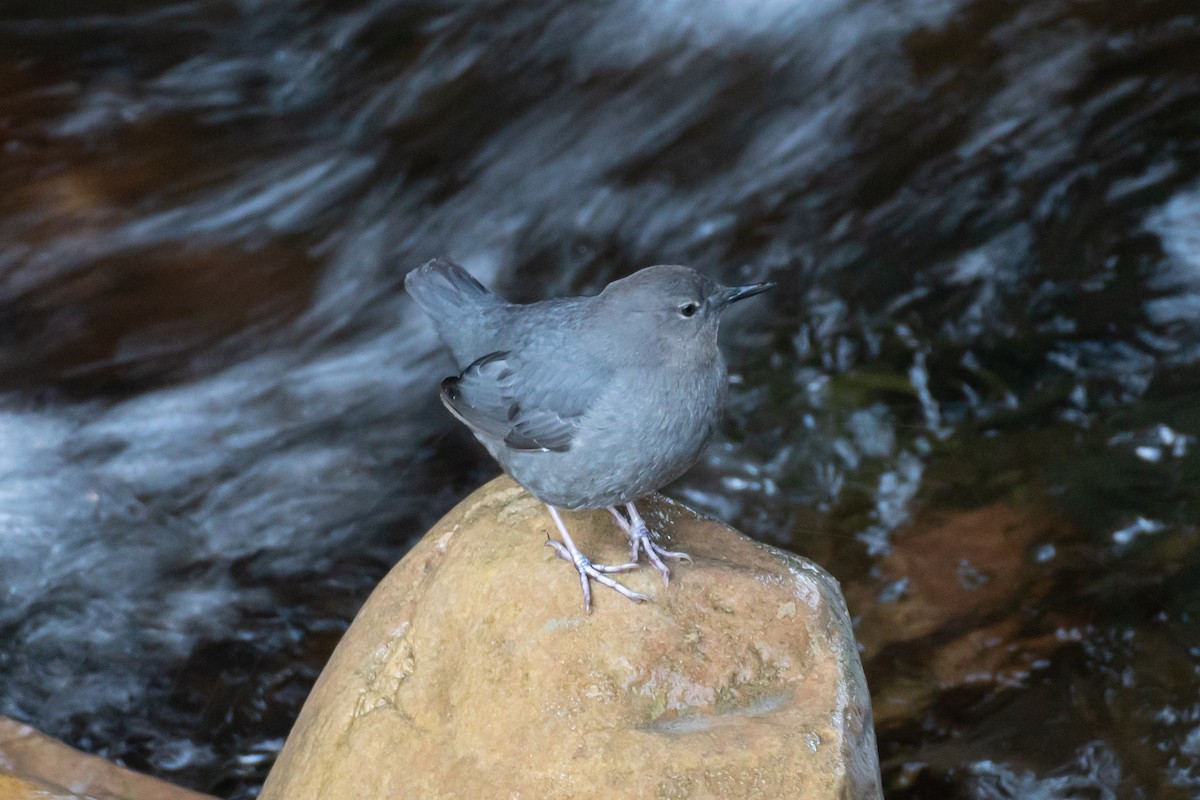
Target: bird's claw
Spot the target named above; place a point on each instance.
(640, 540)
(589, 572)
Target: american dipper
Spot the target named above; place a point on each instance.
(587, 402)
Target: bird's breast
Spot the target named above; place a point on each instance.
(645, 429)
(653, 424)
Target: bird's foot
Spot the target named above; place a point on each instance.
(589, 572)
(641, 539)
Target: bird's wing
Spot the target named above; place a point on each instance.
(529, 404)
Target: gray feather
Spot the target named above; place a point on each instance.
(528, 404)
(462, 309)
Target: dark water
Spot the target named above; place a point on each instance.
(974, 397)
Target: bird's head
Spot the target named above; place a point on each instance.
(672, 307)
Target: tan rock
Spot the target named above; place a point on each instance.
(14, 788)
(33, 765)
(473, 672)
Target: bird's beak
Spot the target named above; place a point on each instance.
(731, 294)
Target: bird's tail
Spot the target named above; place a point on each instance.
(446, 291)
(457, 304)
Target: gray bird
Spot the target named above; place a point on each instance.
(587, 402)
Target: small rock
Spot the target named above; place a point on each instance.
(473, 672)
(33, 765)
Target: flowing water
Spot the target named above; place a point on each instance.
(975, 396)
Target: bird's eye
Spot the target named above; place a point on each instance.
(688, 309)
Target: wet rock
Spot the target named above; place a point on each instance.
(14, 788)
(33, 765)
(964, 594)
(473, 671)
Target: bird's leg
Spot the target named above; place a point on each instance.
(634, 545)
(588, 571)
(641, 539)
